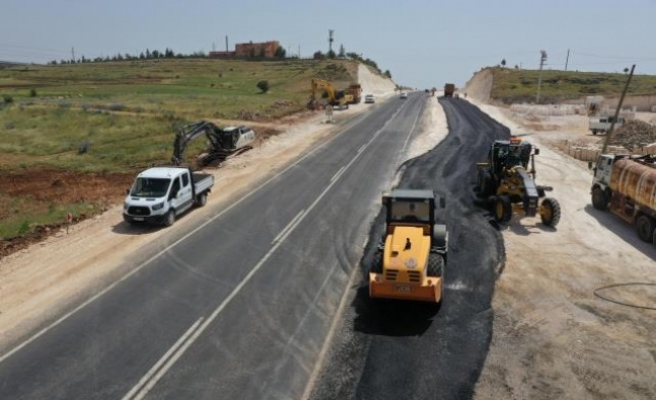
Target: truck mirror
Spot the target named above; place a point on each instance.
(537, 151)
(127, 191)
(589, 164)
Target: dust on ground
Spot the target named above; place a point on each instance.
(552, 336)
(40, 281)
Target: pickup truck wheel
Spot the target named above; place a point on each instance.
(201, 199)
(170, 218)
(645, 228)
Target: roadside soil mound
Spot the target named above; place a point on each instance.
(479, 86)
(634, 133)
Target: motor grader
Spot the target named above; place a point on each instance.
(507, 182)
(410, 259)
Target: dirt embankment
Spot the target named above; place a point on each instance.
(479, 86)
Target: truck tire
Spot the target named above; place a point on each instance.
(201, 199)
(550, 212)
(377, 263)
(594, 132)
(645, 228)
(435, 265)
(502, 210)
(599, 199)
(169, 219)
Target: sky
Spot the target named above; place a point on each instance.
(424, 43)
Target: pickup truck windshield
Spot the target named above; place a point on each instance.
(150, 187)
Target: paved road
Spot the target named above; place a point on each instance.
(241, 308)
(400, 350)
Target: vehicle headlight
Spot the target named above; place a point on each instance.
(157, 206)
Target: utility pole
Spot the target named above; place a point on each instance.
(227, 43)
(567, 60)
(543, 58)
(330, 40)
(617, 112)
(73, 54)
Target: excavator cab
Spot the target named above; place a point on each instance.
(409, 261)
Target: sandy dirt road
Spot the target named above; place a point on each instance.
(552, 337)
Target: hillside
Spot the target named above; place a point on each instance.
(124, 116)
(519, 86)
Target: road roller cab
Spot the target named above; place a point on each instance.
(410, 259)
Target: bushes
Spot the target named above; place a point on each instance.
(263, 86)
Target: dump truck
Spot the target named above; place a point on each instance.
(410, 259)
(449, 89)
(355, 92)
(160, 194)
(626, 186)
(507, 182)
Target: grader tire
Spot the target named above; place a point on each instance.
(502, 210)
(550, 212)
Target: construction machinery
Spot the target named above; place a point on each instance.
(410, 259)
(449, 89)
(507, 182)
(221, 142)
(355, 92)
(626, 185)
(336, 98)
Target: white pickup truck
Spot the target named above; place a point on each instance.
(602, 124)
(160, 194)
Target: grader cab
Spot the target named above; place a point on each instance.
(507, 182)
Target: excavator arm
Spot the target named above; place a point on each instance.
(190, 132)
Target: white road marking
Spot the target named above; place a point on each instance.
(289, 225)
(361, 148)
(337, 174)
(143, 381)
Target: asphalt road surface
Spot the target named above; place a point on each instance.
(401, 350)
(241, 308)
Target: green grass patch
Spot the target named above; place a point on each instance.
(517, 86)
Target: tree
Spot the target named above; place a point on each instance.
(32, 92)
(155, 53)
(388, 74)
(280, 52)
(330, 54)
(147, 53)
(318, 55)
(342, 51)
(626, 70)
(168, 53)
(503, 62)
(263, 86)
(142, 56)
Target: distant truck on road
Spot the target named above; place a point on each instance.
(449, 89)
(601, 124)
(626, 185)
(160, 194)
